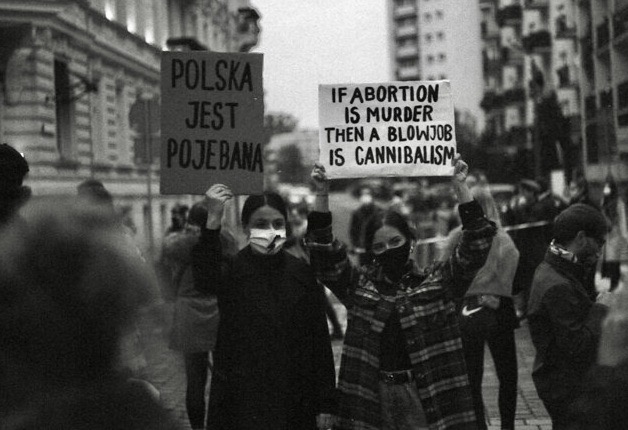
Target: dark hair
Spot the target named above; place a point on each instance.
(256, 201)
(13, 167)
(379, 219)
(198, 214)
(94, 190)
(579, 217)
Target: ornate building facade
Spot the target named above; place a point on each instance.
(71, 72)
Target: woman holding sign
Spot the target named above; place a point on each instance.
(273, 364)
(402, 364)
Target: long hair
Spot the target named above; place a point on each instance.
(378, 220)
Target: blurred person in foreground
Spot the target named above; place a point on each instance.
(195, 319)
(564, 322)
(602, 405)
(358, 219)
(13, 194)
(273, 362)
(488, 316)
(70, 288)
(616, 248)
(402, 363)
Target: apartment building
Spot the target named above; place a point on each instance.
(438, 39)
(603, 35)
(577, 50)
(73, 70)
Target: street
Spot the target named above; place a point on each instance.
(165, 371)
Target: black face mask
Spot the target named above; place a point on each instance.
(393, 261)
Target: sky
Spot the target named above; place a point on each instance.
(310, 42)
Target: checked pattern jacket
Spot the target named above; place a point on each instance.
(426, 303)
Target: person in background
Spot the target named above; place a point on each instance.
(13, 193)
(564, 322)
(488, 316)
(195, 319)
(273, 363)
(616, 248)
(178, 218)
(70, 288)
(402, 363)
(579, 192)
(358, 219)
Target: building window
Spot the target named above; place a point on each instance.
(440, 35)
(439, 14)
(431, 78)
(63, 109)
(442, 57)
(427, 17)
(428, 37)
(430, 59)
(443, 77)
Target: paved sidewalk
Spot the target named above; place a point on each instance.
(165, 371)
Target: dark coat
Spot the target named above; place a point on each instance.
(273, 363)
(565, 328)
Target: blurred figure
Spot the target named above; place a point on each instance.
(178, 216)
(359, 217)
(488, 316)
(195, 320)
(13, 194)
(602, 406)
(70, 288)
(616, 248)
(95, 193)
(579, 192)
(564, 322)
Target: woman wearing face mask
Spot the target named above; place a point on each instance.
(402, 363)
(273, 364)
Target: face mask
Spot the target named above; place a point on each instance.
(366, 199)
(267, 241)
(393, 261)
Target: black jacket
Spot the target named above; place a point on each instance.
(273, 363)
(565, 328)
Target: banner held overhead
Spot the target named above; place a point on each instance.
(389, 129)
(212, 121)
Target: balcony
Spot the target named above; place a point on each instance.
(590, 107)
(606, 99)
(514, 95)
(537, 4)
(603, 35)
(407, 31)
(564, 30)
(408, 73)
(537, 41)
(490, 65)
(511, 56)
(509, 14)
(564, 77)
(405, 11)
(410, 51)
(491, 100)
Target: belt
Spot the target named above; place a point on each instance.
(399, 377)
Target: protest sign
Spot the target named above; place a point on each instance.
(390, 129)
(212, 120)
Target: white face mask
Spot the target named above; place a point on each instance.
(267, 241)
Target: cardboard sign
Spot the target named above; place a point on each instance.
(390, 129)
(212, 120)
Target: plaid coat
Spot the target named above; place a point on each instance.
(425, 302)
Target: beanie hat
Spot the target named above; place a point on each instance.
(579, 217)
(13, 167)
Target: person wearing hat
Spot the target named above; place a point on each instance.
(564, 322)
(13, 194)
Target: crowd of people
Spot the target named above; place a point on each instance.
(252, 321)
